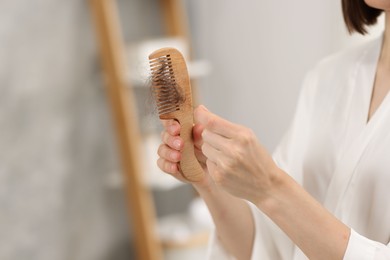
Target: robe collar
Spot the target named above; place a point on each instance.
(359, 132)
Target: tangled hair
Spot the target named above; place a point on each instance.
(358, 15)
(168, 95)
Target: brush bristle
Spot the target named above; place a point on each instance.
(165, 89)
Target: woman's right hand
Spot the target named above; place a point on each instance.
(170, 152)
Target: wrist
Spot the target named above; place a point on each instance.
(205, 189)
(273, 197)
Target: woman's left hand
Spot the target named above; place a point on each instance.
(236, 161)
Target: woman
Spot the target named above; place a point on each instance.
(324, 194)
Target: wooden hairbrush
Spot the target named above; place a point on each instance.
(172, 92)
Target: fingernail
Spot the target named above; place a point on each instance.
(204, 108)
(172, 128)
(176, 144)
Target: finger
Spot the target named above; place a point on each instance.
(175, 142)
(212, 169)
(171, 126)
(211, 166)
(219, 142)
(215, 123)
(167, 166)
(211, 153)
(169, 154)
(170, 168)
(198, 142)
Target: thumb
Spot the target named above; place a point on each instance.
(198, 142)
(197, 135)
(198, 127)
(199, 113)
(215, 123)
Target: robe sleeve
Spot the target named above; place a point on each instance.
(270, 242)
(362, 248)
(291, 150)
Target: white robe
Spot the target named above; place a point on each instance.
(342, 160)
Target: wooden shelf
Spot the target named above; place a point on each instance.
(122, 102)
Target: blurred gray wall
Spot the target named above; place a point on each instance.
(57, 147)
(260, 51)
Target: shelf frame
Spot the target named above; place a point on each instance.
(123, 109)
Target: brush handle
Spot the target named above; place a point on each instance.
(174, 100)
(189, 164)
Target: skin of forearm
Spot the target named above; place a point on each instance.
(308, 224)
(233, 221)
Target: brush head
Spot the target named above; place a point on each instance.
(169, 76)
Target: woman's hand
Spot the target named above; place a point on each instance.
(170, 155)
(236, 161)
(238, 164)
(232, 216)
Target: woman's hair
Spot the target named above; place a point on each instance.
(358, 15)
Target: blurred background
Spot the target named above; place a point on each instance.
(78, 131)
